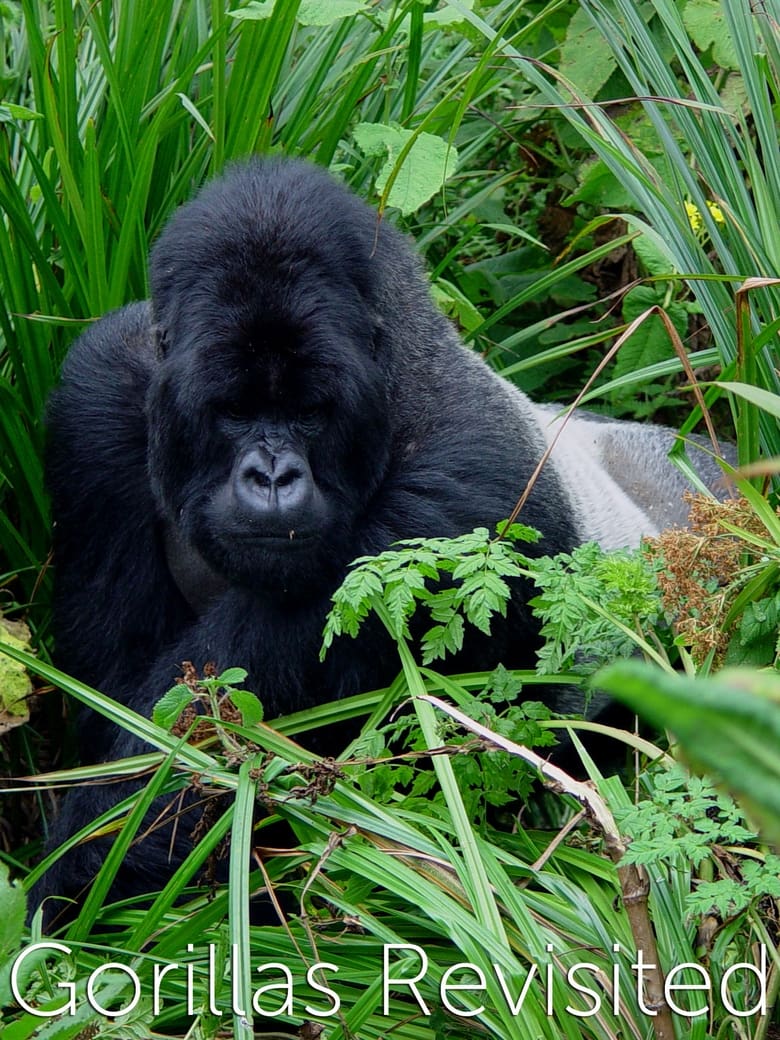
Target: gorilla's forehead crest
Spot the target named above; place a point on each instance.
(264, 227)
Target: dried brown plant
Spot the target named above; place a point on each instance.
(699, 570)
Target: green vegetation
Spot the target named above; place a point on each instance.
(587, 181)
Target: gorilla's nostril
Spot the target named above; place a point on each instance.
(287, 477)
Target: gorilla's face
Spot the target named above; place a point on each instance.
(268, 414)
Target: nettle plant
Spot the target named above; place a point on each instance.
(593, 607)
(588, 597)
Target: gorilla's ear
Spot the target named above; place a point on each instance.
(161, 342)
(376, 335)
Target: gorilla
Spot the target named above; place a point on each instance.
(290, 399)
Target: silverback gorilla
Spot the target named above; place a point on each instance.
(289, 400)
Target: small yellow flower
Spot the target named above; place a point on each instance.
(716, 212)
(694, 217)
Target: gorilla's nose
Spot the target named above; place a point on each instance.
(266, 483)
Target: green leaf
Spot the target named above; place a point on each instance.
(651, 256)
(9, 111)
(12, 913)
(455, 304)
(600, 187)
(249, 705)
(255, 11)
(763, 399)
(190, 106)
(586, 57)
(325, 12)
(728, 726)
(425, 167)
(448, 15)
(705, 20)
(650, 341)
(171, 705)
(15, 683)
(232, 677)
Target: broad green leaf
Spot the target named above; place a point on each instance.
(325, 12)
(728, 726)
(233, 676)
(425, 168)
(249, 705)
(653, 259)
(600, 187)
(586, 57)
(706, 22)
(650, 342)
(255, 11)
(12, 912)
(456, 304)
(448, 15)
(15, 684)
(171, 705)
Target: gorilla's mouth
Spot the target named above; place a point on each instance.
(292, 539)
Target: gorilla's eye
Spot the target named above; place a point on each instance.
(313, 416)
(238, 409)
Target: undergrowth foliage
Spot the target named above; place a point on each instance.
(487, 777)
(394, 583)
(593, 606)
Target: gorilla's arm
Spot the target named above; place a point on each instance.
(114, 591)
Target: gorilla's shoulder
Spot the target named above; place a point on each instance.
(107, 368)
(120, 335)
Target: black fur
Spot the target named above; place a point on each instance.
(290, 375)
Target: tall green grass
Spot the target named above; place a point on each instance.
(709, 136)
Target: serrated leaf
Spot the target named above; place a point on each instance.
(518, 532)
(443, 639)
(249, 705)
(728, 726)
(428, 164)
(467, 566)
(170, 706)
(233, 676)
